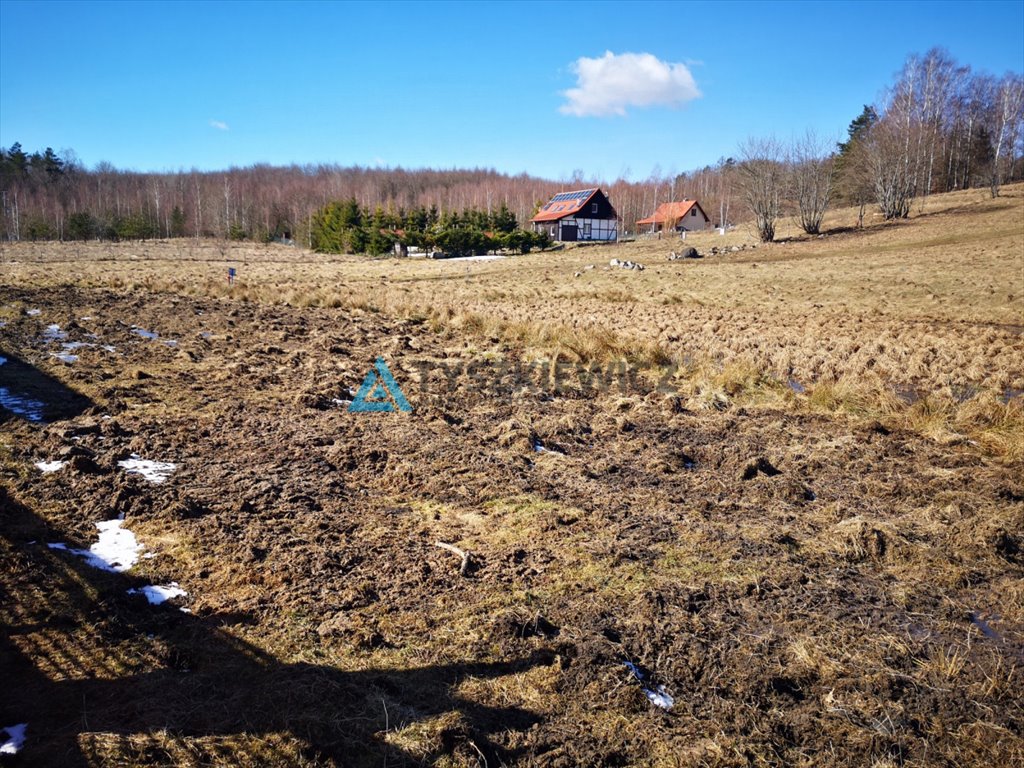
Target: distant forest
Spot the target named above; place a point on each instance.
(940, 127)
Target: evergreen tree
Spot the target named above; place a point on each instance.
(504, 220)
(81, 226)
(177, 222)
(858, 129)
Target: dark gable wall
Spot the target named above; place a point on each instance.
(604, 208)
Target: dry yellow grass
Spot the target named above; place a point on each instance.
(918, 321)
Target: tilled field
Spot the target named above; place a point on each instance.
(789, 589)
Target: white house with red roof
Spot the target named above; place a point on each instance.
(684, 216)
(584, 214)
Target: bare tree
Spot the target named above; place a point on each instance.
(812, 174)
(892, 172)
(762, 177)
(1005, 116)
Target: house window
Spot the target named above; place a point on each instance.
(593, 207)
(693, 212)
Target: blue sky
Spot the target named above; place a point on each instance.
(163, 86)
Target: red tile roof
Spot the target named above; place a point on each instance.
(670, 213)
(564, 204)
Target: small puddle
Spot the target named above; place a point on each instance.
(908, 395)
(985, 627)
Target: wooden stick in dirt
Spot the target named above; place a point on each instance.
(456, 551)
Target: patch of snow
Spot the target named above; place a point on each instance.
(659, 697)
(157, 594)
(170, 342)
(21, 406)
(15, 739)
(487, 257)
(85, 319)
(538, 447)
(117, 549)
(46, 467)
(144, 333)
(3, 360)
(33, 312)
(66, 357)
(154, 471)
(206, 334)
(54, 333)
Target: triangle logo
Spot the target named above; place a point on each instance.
(379, 392)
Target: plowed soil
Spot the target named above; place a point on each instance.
(810, 590)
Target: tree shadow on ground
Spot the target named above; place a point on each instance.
(29, 394)
(77, 657)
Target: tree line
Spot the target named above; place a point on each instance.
(940, 127)
(344, 227)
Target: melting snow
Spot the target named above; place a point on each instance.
(488, 257)
(15, 739)
(50, 466)
(21, 406)
(54, 333)
(69, 348)
(154, 471)
(153, 336)
(658, 696)
(538, 447)
(33, 312)
(157, 594)
(116, 550)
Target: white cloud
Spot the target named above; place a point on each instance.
(609, 84)
(220, 125)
